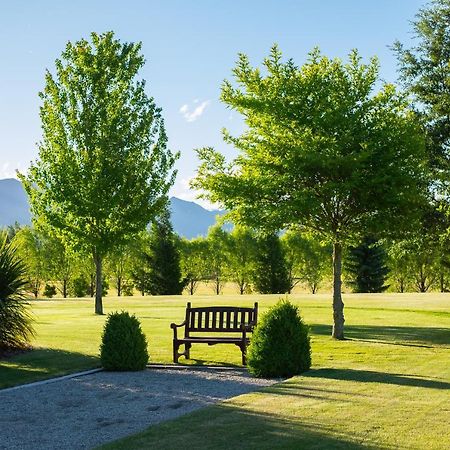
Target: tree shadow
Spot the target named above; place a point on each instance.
(42, 363)
(205, 363)
(407, 336)
(370, 376)
(227, 425)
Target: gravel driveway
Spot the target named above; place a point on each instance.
(83, 412)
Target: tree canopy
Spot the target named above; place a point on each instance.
(425, 71)
(104, 168)
(323, 150)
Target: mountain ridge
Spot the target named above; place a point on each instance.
(189, 219)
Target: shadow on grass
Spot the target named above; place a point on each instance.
(408, 336)
(369, 376)
(226, 426)
(42, 363)
(203, 362)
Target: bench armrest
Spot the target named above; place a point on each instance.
(174, 327)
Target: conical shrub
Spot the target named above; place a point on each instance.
(124, 345)
(280, 345)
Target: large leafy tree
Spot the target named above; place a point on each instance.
(217, 242)
(119, 267)
(32, 249)
(104, 168)
(307, 259)
(241, 257)
(194, 266)
(61, 262)
(322, 150)
(425, 71)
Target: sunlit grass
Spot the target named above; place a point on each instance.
(386, 386)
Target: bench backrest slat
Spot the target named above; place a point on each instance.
(227, 319)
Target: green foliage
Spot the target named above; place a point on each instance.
(270, 275)
(104, 169)
(366, 266)
(124, 345)
(139, 269)
(31, 247)
(163, 259)
(322, 149)
(399, 263)
(280, 345)
(193, 262)
(119, 267)
(242, 247)
(80, 286)
(15, 321)
(127, 288)
(59, 260)
(216, 256)
(49, 290)
(307, 259)
(425, 70)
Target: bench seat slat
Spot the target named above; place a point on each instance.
(206, 339)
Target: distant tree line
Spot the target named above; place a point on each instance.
(159, 262)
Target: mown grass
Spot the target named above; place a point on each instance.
(386, 386)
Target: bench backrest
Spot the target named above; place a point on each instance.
(226, 319)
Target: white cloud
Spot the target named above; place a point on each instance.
(192, 115)
(182, 190)
(8, 170)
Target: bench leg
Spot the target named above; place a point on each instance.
(187, 351)
(243, 347)
(176, 355)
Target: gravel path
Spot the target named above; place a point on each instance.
(83, 412)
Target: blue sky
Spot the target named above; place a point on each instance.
(190, 48)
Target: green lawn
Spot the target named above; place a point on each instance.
(387, 386)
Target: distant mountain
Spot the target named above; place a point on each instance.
(189, 219)
(13, 203)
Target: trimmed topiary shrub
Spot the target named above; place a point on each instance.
(280, 345)
(124, 346)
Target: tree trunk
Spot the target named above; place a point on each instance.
(217, 285)
(65, 288)
(119, 286)
(338, 304)
(91, 285)
(98, 283)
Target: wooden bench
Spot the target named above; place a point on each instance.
(215, 320)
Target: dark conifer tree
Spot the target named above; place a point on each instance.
(163, 259)
(271, 275)
(366, 267)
